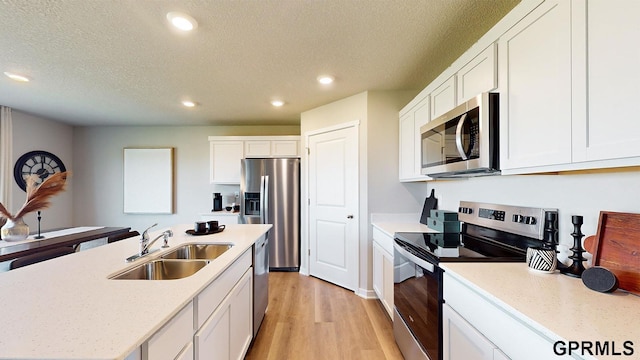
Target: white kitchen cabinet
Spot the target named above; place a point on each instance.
(282, 146)
(461, 341)
(443, 98)
(534, 61)
(493, 323)
(187, 353)
(610, 129)
(225, 158)
(479, 75)
(174, 336)
(227, 333)
(383, 269)
(410, 150)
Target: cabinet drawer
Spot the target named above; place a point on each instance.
(172, 338)
(209, 299)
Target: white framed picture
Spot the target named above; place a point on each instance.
(148, 181)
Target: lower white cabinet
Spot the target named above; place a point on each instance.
(383, 277)
(187, 353)
(172, 338)
(228, 331)
(461, 341)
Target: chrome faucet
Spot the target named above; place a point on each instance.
(144, 250)
(145, 244)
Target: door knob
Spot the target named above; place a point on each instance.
(349, 216)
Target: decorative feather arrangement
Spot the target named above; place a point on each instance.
(38, 195)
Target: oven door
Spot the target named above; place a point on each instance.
(417, 297)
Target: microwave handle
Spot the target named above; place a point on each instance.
(459, 145)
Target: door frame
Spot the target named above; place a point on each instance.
(304, 208)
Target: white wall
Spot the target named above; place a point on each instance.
(98, 160)
(35, 133)
(379, 189)
(583, 193)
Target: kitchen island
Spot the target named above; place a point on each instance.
(68, 308)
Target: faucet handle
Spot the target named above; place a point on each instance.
(145, 233)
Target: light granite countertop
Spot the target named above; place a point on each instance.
(68, 308)
(556, 304)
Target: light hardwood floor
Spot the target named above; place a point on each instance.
(308, 318)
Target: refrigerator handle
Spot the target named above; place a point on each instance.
(264, 199)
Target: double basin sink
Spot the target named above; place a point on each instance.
(179, 263)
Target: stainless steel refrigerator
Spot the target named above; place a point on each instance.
(270, 194)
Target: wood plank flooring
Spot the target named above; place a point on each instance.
(310, 319)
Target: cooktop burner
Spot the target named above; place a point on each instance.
(490, 233)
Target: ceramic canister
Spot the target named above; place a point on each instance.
(542, 259)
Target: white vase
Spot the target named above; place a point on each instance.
(14, 230)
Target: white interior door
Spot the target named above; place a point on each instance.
(333, 206)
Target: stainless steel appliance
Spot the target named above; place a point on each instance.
(490, 233)
(270, 194)
(260, 281)
(464, 141)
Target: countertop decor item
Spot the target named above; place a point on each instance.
(38, 197)
(577, 267)
(615, 247)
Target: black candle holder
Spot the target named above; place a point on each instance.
(577, 267)
(39, 236)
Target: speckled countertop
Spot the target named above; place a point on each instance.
(68, 308)
(555, 303)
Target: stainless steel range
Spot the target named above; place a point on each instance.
(490, 233)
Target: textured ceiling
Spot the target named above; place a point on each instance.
(116, 62)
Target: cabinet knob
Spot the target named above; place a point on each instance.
(349, 216)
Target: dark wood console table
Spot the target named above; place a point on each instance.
(9, 252)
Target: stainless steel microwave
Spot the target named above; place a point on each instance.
(464, 141)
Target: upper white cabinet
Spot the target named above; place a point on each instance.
(269, 147)
(225, 153)
(479, 75)
(410, 151)
(443, 98)
(535, 97)
(610, 129)
(225, 158)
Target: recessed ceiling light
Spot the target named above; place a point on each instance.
(189, 103)
(325, 79)
(16, 77)
(277, 103)
(182, 21)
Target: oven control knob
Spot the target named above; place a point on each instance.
(465, 210)
(530, 220)
(518, 218)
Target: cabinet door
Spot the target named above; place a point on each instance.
(387, 281)
(257, 148)
(241, 327)
(443, 98)
(169, 341)
(378, 271)
(225, 161)
(461, 341)
(284, 148)
(407, 147)
(612, 129)
(213, 339)
(187, 353)
(535, 81)
(479, 75)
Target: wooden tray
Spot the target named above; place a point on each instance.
(616, 246)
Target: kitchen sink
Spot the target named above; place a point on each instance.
(162, 270)
(198, 251)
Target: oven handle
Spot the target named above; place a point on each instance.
(416, 260)
(459, 144)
